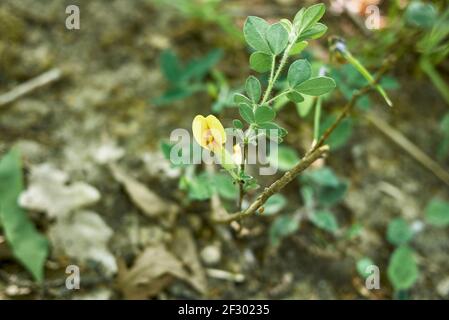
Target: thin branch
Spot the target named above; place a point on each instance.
(29, 86)
(275, 187)
(398, 138)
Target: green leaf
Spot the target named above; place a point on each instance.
(303, 108)
(325, 220)
(246, 112)
(199, 67)
(225, 186)
(287, 158)
(298, 72)
(274, 204)
(260, 62)
(273, 126)
(437, 213)
(298, 17)
(399, 232)
(341, 134)
(402, 268)
(328, 187)
(255, 30)
(237, 124)
(421, 14)
(197, 187)
(298, 47)
(324, 177)
(170, 66)
(264, 114)
(295, 96)
(316, 86)
(277, 37)
(240, 98)
(329, 196)
(287, 24)
(253, 89)
(362, 265)
(282, 227)
(28, 245)
(312, 15)
(314, 32)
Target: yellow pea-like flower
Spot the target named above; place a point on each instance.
(209, 132)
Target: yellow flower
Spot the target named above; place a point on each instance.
(209, 132)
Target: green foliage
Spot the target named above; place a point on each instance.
(255, 30)
(246, 112)
(286, 159)
(443, 148)
(184, 80)
(327, 187)
(299, 71)
(260, 62)
(253, 89)
(264, 114)
(197, 187)
(325, 220)
(341, 135)
(402, 269)
(225, 186)
(316, 86)
(437, 213)
(277, 38)
(420, 14)
(399, 232)
(362, 265)
(28, 245)
(274, 204)
(282, 227)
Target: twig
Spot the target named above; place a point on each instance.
(29, 86)
(398, 138)
(275, 187)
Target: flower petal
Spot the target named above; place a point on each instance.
(216, 129)
(199, 126)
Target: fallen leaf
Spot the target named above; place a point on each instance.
(151, 273)
(185, 248)
(49, 192)
(83, 236)
(146, 200)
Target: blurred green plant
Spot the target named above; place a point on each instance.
(185, 79)
(210, 11)
(27, 244)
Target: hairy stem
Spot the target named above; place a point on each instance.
(274, 78)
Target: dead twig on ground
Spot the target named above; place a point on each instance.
(30, 85)
(413, 150)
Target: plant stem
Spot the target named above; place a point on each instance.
(242, 170)
(275, 187)
(278, 96)
(437, 80)
(316, 121)
(274, 78)
(315, 152)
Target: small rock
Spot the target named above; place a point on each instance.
(443, 287)
(211, 254)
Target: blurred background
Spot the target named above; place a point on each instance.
(87, 191)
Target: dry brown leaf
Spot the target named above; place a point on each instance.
(152, 272)
(185, 248)
(157, 267)
(146, 200)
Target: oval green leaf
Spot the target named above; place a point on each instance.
(316, 86)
